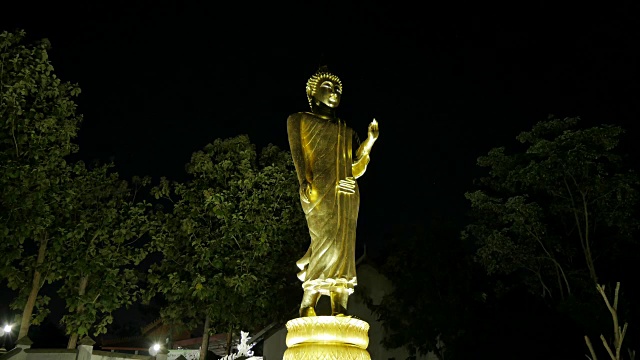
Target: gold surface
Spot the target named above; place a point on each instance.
(333, 329)
(321, 147)
(327, 337)
(326, 352)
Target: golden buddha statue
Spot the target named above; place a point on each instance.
(321, 147)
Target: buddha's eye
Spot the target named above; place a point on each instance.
(327, 84)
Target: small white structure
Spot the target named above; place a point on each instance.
(244, 349)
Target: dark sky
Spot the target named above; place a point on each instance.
(162, 79)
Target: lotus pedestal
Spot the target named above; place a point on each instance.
(327, 338)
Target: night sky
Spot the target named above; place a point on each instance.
(160, 80)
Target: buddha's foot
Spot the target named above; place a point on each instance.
(307, 311)
(343, 315)
(338, 310)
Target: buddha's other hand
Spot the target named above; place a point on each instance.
(373, 130)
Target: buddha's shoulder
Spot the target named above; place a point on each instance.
(303, 115)
(307, 116)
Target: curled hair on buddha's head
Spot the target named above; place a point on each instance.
(322, 74)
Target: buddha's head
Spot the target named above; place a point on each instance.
(324, 88)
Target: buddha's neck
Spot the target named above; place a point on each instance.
(324, 112)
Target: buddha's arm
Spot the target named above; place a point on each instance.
(297, 153)
(362, 160)
(362, 154)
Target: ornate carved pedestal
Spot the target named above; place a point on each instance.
(327, 338)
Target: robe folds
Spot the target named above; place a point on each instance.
(322, 154)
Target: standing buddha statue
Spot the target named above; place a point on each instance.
(321, 147)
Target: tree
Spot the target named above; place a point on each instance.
(38, 123)
(101, 247)
(436, 294)
(229, 243)
(550, 214)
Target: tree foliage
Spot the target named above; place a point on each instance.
(38, 123)
(555, 214)
(229, 242)
(105, 224)
(58, 221)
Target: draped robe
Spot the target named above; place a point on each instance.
(322, 154)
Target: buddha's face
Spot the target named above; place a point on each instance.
(328, 93)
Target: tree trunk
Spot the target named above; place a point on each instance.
(229, 337)
(205, 340)
(590, 263)
(587, 241)
(33, 294)
(73, 340)
(82, 288)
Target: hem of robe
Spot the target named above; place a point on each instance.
(327, 286)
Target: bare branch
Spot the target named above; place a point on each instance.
(612, 310)
(604, 341)
(593, 353)
(615, 299)
(621, 337)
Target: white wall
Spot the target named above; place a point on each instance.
(106, 355)
(64, 354)
(50, 354)
(275, 345)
